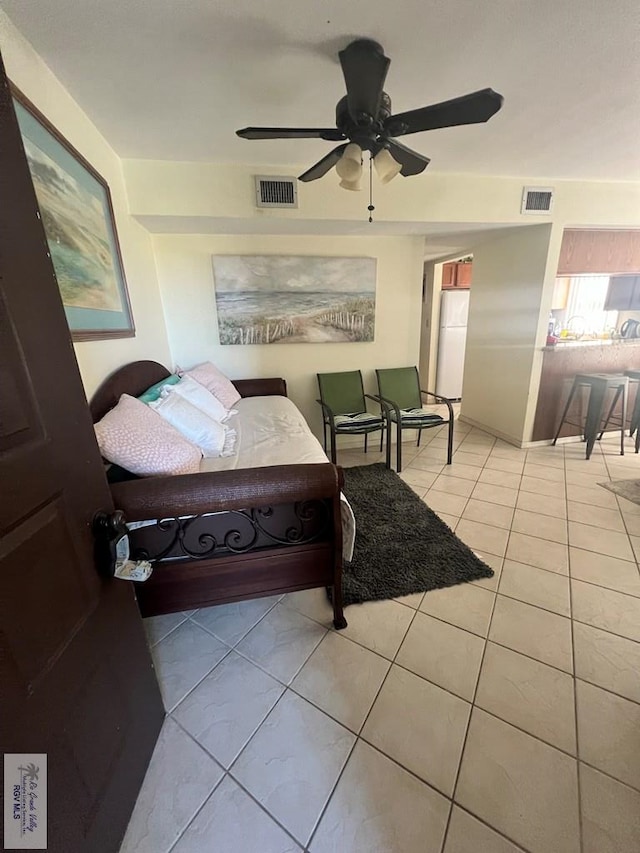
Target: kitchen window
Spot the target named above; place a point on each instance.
(578, 306)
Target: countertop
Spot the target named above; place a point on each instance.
(610, 342)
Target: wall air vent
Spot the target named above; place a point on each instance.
(537, 200)
(276, 191)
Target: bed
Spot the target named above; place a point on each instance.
(266, 521)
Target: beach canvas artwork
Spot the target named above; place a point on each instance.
(276, 299)
(77, 216)
(77, 236)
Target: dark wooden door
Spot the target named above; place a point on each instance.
(76, 679)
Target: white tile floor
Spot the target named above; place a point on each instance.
(493, 717)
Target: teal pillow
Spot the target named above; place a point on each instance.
(152, 394)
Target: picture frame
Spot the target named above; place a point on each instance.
(77, 216)
(294, 299)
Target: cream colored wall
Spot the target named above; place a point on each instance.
(96, 359)
(431, 328)
(204, 193)
(186, 281)
(507, 297)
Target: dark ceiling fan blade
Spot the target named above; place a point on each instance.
(412, 162)
(365, 67)
(329, 133)
(322, 166)
(468, 109)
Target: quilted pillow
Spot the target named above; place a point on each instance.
(211, 437)
(213, 380)
(200, 397)
(133, 436)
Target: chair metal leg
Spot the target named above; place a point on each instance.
(450, 444)
(625, 391)
(333, 445)
(381, 437)
(388, 431)
(594, 415)
(366, 441)
(564, 414)
(614, 402)
(419, 437)
(398, 448)
(324, 436)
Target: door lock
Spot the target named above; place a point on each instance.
(112, 548)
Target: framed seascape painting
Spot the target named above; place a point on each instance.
(280, 299)
(75, 206)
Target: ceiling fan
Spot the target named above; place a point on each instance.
(364, 121)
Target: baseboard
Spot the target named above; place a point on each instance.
(526, 445)
(495, 432)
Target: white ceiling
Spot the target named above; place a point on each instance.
(173, 80)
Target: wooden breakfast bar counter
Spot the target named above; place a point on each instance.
(561, 363)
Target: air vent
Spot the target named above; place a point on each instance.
(276, 191)
(537, 200)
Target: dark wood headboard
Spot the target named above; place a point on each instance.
(136, 377)
(133, 379)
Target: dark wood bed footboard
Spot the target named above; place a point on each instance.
(247, 533)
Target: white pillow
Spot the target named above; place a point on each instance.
(211, 437)
(133, 436)
(200, 397)
(216, 382)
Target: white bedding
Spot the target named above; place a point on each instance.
(271, 431)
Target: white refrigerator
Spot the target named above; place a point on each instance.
(454, 310)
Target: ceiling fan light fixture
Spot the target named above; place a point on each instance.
(386, 166)
(355, 185)
(349, 166)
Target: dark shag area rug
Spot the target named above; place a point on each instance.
(629, 489)
(401, 545)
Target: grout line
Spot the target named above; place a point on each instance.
(236, 642)
(330, 794)
(475, 691)
(268, 813)
(519, 847)
(197, 812)
(468, 726)
(375, 699)
(575, 692)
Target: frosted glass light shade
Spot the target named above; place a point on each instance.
(386, 166)
(349, 166)
(352, 185)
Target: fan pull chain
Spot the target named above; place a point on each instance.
(371, 208)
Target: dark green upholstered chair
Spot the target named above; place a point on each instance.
(401, 398)
(344, 409)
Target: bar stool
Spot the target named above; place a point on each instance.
(598, 384)
(634, 376)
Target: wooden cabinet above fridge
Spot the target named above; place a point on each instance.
(457, 274)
